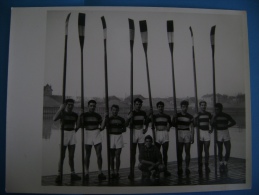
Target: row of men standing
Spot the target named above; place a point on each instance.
(150, 157)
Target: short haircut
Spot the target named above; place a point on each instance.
(138, 100)
(69, 101)
(115, 106)
(219, 105)
(91, 101)
(184, 102)
(148, 137)
(203, 101)
(160, 103)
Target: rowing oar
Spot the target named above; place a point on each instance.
(144, 37)
(81, 32)
(212, 41)
(196, 96)
(170, 34)
(132, 35)
(63, 97)
(106, 93)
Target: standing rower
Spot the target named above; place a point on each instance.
(183, 122)
(140, 127)
(221, 122)
(162, 123)
(68, 118)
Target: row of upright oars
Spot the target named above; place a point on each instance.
(144, 37)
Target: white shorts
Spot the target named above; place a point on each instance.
(69, 138)
(204, 135)
(116, 141)
(223, 135)
(162, 137)
(93, 137)
(138, 136)
(184, 136)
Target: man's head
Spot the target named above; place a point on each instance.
(203, 105)
(160, 106)
(218, 108)
(69, 104)
(184, 106)
(148, 141)
(91, 105)
(138, 104)
(115, 110)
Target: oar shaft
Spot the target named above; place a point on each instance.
(63, 98)
(196, 98)
(144, 37)
(81, 33)
(212, 38)
(170, 33)
(132, 36)
(106, 92)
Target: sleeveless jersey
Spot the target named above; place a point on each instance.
(139, 118)
(69, 120)
(91, 121)
(204, 120)
(116, 125)
(161, 121)
(221, 121)
(184, 121)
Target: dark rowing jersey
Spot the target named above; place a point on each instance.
(204, 120)
(183, 121)
(161, 121)
(116, 125)
(139, 118)
(69, 120)
(222, 120)
(91, 121)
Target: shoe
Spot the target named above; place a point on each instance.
(155, 175)
(131, 177)
(74, 177)
(113, 176)
(207, 169)
(167, 173)
(117, 176)
(58, 179)
(226, 168)
(221, 168)
(101, 176)
(86, 177)
(200, 169)
(180, 171)
(187, 171)
(146, 175)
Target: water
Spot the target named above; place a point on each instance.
(51, 149)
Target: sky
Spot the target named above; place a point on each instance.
(230, 61)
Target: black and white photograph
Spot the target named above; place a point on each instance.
(130, 97)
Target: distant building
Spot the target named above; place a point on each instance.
(47, 90)
(127, 99)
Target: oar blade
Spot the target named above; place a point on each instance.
(67, 20)
(190, 28)
(143, 30)
(103, 22)
(170, 31)
(132, 29)
(104, 27)
(81, 28)
(212, 35)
